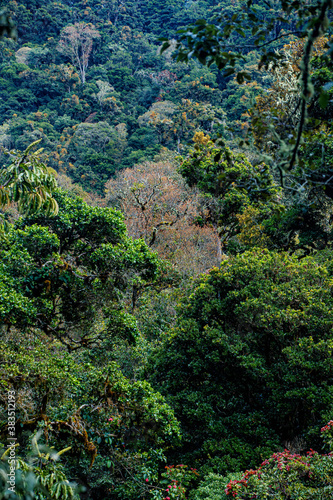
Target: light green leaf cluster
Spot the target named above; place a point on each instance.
(27, 182)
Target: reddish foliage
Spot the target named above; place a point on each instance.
(161, 209)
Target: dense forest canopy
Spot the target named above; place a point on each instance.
(166, 250)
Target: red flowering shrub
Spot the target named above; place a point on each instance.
(327, 434)
(289, 476)
(176, 479)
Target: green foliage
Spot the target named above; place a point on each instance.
(213, 486)
(230, 182)
(118, 426)
(247, 365)
(7, 26)
(224, 41)
(39, 477)
(81, 260)
(27, 181)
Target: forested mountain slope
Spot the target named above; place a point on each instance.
(166, 281)
(127, 102)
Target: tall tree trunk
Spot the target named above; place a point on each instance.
(219, 248)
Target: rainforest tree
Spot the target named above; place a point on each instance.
(248, 366)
